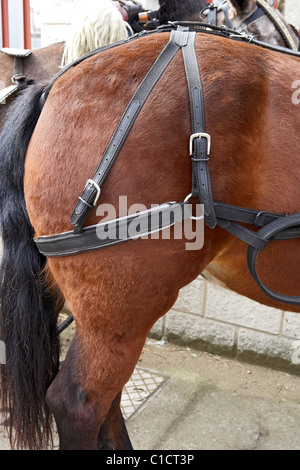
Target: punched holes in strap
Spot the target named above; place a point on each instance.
(199, 140)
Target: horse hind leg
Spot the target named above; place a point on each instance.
(116, 296)
(80, 422)
(113, 434)
(73, 411)
(85, 395)
(111, 328)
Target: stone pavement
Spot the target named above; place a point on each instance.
(190, 400)
(213, 403)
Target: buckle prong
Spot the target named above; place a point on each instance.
(93, 184)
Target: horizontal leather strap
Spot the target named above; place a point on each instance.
(243, 215)
(258, 13)
(114, 231)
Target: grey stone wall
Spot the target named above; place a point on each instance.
(210, 317)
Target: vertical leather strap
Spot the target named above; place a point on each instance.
(19, 77)
(225, 10)
(212, 14)
(200, 140)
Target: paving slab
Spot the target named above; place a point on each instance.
(183, 399)
(213, 403)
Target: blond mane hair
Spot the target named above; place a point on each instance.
(96, 24)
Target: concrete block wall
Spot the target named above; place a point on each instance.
(208, 316)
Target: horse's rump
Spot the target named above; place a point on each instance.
(118, 293)
(242, 85)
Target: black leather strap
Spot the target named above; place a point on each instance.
(258, 13)
(212, 14)
(200, 140)
(87, 199)
(269, 232)
(243, 215)
(278, 23)
(274, 227)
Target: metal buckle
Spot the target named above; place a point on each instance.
(93, 184)
(18, 77)
(200, 135)
(193, 217)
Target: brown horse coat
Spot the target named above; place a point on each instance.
(118, 293)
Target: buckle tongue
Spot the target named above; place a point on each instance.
(93, 184)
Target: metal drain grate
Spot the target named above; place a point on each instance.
(138, 390)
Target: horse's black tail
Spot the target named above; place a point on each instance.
(29, 308)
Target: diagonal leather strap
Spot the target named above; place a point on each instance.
(200, 140)
(258, 13)
(244, 234)
(277, 21)
(88, 198)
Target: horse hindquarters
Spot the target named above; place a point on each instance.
(116, 296)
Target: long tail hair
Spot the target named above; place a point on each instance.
(29, 308)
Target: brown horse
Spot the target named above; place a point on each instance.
(105, 24)
(116, 294)
(258, 18)
(45, 62)
(39, 66)
(101, 26)
(255, 17)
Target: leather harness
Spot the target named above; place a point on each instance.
(270, 226)
(263, 8)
